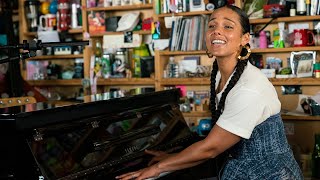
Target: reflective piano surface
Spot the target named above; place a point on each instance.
(97, 139)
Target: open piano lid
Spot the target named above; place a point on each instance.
(102, 139)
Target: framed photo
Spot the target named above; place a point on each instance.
(190, 63)
(302, 63)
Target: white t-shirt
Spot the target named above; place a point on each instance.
(250, 102)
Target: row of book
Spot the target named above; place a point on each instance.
(314, 7)
(188, 33)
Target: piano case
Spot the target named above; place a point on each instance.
(97, 139)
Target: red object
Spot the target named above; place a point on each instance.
(63, 15)
(303, 37)
(271, 10)
(146, 24)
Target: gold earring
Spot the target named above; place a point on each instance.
(209, 54)
(247, 55)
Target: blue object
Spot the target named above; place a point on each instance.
(3, 39)
(53, 8)
(204, 127)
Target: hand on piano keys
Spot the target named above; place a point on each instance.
(152, 171)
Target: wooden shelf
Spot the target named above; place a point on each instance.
(301, 118)
(58, 103)
(285, 19)
(70, 31)
(185, 13)
(257, 50)
(30, 33)
(197, 114)
(142, 32)
(75, 31)
(126, 81)
(58, 82)
(295, 81)
(185, 81)
(172, 53)
(284, 117)
(121, 8)
(71, 56)
(289, 49)
(274, 81)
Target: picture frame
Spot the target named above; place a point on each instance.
(190, 63)
(302, 63)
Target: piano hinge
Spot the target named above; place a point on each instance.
(138, 114)
(174, 106)
(95, 124)
(37, 136)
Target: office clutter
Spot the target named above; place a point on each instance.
(119, 63)
(52, 15)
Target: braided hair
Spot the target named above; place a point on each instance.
(216, 110)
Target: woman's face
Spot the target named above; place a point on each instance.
(224, 35)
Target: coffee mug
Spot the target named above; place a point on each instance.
(48, 22)
(303, 37)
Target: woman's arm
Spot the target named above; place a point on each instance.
(217, 141)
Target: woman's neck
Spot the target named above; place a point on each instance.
(226, 68)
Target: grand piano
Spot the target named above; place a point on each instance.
(94, 139)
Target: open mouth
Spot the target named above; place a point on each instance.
(218, 41)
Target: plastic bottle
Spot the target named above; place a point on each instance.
(263, 40)
(172, 68)
(74, 18)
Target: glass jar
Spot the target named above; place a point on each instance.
(78, 68)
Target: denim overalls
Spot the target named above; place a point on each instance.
(265, 156)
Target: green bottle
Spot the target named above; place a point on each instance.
(316, 157)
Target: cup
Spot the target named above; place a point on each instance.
(48, 22)
(303, 37)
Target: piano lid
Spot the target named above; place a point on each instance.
(37, 115)
(102, 139)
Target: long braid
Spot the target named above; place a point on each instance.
(234, 79)
(213, 91)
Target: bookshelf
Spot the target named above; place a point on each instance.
(65, 87)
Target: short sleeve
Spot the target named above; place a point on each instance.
(243, 111)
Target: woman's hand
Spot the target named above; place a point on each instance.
(149, 172)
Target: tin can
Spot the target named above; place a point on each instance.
(316, 70)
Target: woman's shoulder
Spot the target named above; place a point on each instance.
(253, 80)
(253, 76)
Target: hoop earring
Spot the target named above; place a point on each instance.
(209, 54)
(247, 55)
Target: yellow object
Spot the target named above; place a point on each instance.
(44, 8)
